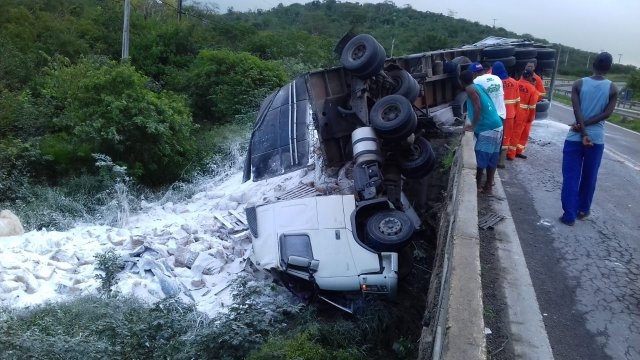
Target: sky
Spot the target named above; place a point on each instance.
(590, 25)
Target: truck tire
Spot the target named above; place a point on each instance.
(546, 54)
(507, 61)
(393, 118)
(363, 56)
(405, 84)
(541, 115)
(420, 162)
(498, 52)
(522, 63)
(525, 53)
(546, 65)
(389, 230)
(542, 105)
(455, 66)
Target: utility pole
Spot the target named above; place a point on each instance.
(619, 58)
(494, 23)
(566, 58)
(393, 42)
(588, 59)
(179, 10)
(125, 30)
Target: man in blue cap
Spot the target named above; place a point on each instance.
(492, 84)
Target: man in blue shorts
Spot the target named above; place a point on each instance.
(487, 128)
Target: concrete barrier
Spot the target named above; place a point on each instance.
(454, 324)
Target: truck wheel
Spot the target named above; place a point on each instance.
(420, 162)
(363, 56)
(455, 65)
(542, 105)
(525, 53)
(522, 63)
(393, 118)
(498, 51)
(546, 54)
(389, 230)
(507, 61)
(546, 64)
(405, 84)
(541, 115)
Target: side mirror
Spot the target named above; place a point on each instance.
(299, 261)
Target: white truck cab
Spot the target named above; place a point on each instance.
(317, 242)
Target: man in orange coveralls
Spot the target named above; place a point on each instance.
(511, 102)
(525, 114)
(531, 66)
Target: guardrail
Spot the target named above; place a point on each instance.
(632, 110)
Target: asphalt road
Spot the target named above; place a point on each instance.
(586, 277)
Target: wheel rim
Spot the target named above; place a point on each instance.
(390, 226)
(358, 52)
(390, 113)
(416, 152)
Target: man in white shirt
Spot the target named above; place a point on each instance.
(492, 84)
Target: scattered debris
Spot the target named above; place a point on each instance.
(489, 220)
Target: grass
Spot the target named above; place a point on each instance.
(261, 324)
(620, 120)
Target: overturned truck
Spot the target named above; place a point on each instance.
(357, 133)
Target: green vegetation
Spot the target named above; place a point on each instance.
(259, 324)
(620, 120)
(625, 122)
(84, 133)
(450, 156)
(110, 264)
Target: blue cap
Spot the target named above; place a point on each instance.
(475, 67)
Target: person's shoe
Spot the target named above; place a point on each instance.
(582, 215)
(568, 223)
(510, 158)
(521, 156)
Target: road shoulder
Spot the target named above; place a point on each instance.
(524, 320)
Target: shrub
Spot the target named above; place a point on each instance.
(223, 83)
(105, 107)
(110, 264)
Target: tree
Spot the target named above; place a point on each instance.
(223, 83)
(105, 107)
(634, 83)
